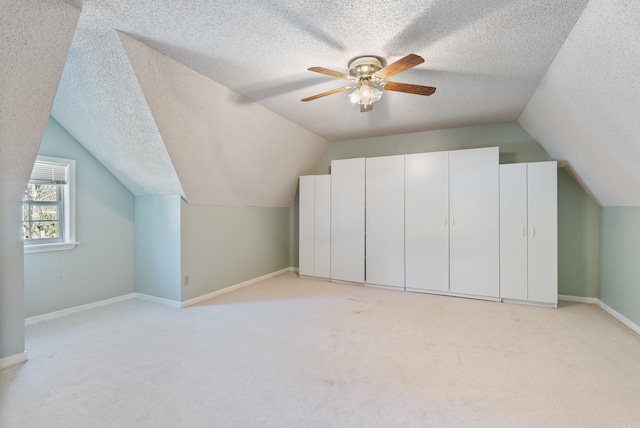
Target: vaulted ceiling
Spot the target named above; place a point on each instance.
(202, 98)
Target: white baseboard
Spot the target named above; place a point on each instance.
(13, 359)
(161, 300)
(593, 300)
(21, 357)
(173, 303)
(617, 315)
(193, 301)
(530, 303)
(57, 314)
(579, 299)
(294, 269)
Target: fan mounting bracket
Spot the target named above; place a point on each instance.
(365, 66)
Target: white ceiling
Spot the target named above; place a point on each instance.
(162, 92)
(587, 108)
(36, 40)
(225, 153)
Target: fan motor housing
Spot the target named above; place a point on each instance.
(365, 66)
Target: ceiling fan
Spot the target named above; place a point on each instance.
(368, 74)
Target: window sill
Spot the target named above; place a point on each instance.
(43, 248)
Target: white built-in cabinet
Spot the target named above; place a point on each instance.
(427, 221)
(347, 220)
(513, 231)
(528, 232)
(306, 234)
(474, 212)
(384, 229)
(451, 222)
(322, 226)
(315, 226)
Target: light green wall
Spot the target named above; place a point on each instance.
(515, 144)
(620, 283)
(11, 280)
(157, 246)
(579, 223)
(100, 267)
(224, 246)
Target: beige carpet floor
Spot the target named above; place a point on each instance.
(289, 352)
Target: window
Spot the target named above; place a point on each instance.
(48, 206)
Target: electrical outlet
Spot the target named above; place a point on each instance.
(186, 280)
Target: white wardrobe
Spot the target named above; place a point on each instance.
(528, 232)
(347, 220)
(384, 231)
(427, 222)
(474, 212)
(315, 226)
(450, 222)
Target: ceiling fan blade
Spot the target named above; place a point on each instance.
(331, 73)
(365, 107)
(324, 94)
(399, 66)
(409, 88)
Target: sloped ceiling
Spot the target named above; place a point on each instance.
(587, 108)
(227, 152)
(101, 104)
(168, 112)
(486, 59)
(34, 39)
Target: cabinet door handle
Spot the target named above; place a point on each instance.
(445, 220)
(524, 231)
(453, 221)
(533, 231)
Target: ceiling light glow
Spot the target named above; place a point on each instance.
(366, 93)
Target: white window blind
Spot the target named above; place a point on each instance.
(49, 173)
(48, 206)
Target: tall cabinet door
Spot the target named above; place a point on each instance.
(542, 189)
(307, 226)
(513, 231)
(347, 219)
(385, 221)
(474, 222)
(427, 221)
(322, 226)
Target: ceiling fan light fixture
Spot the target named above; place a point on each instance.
(366, 93)
(368, 74)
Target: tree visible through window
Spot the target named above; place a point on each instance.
(42, 209)
(48, 206)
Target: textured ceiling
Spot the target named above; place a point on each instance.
(587, 108)
(225, 153)
(34, 39)
(100, 103)
(137, 69)
(486, 58)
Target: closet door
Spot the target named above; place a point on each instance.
(322, 226)
(347, 219)
(307, 226)
(542, 191)
(513, 231)
(427, 221)
(385, 221)
(474, 222)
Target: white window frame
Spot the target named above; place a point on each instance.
(69, 212)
